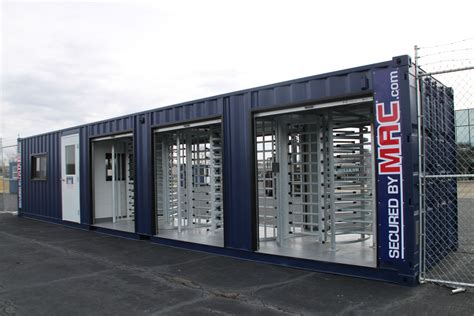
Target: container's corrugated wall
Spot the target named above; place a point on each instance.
(186, 112)
(143, 147)
(85, 173)
(113, 126)
(42, 197)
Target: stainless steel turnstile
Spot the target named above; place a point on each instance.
(315, 176)
(188, 175)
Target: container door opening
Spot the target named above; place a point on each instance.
(113, 183)
(315, 177)
(188, 184)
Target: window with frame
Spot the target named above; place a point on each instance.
(38, 167)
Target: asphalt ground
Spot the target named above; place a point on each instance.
(48, 269)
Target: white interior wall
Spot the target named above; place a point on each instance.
(102, 188)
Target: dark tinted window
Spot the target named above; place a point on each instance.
(38, 167)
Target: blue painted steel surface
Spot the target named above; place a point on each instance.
(43, 199)
(85, 171)
(144, 219)
(238, 177)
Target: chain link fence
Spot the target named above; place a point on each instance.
(446, 135)
(8, 177)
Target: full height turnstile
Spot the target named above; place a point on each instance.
(188, 175)
(315, 176)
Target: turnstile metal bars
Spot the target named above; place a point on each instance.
(266, 179)
(306, 213)
(352, 178)
(121, 177)
(188, 179)
(315, 176)
(130, 181)
(289, 179)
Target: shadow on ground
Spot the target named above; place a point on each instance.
(47, 269)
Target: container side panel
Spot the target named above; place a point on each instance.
(338, 85)
(144, 223)
(298, 92)
(238, 160)
(312, 90)
(187, 112)
(85, 176)
(282, 95)
(42, 197)
(113, 126)
(265, 98)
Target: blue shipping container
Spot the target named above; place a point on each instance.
(385, 93)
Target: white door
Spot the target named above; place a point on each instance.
(70, 178)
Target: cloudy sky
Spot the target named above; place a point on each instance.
(70, 62)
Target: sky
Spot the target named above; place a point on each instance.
(65, 63)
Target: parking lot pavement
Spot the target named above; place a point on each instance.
(47, 269)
